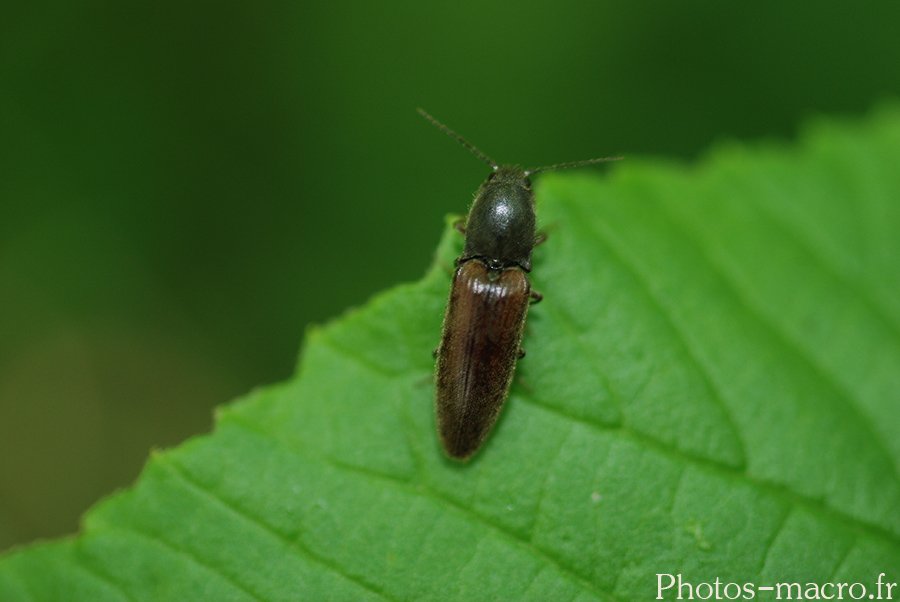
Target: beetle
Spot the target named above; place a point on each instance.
(481, 339)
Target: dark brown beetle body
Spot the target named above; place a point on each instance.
(489, 298)
(486, 312)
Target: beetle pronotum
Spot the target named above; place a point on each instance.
(489, 298)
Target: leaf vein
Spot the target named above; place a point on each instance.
(783, 336)
(422, 489)
(609, 239)
(778, 492)
(160, 542)
(303, 551)
(105, 578)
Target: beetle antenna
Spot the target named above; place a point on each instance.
(568, 165)
(458, 138)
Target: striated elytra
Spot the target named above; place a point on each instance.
(489, 298)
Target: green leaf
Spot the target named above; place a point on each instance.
(712, 389)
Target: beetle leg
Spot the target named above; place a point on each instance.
(460, 226)
(535, 296)
(521, 353)
(540, 239)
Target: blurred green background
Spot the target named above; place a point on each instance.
(185, 186)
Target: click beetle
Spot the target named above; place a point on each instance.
(489, 298)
